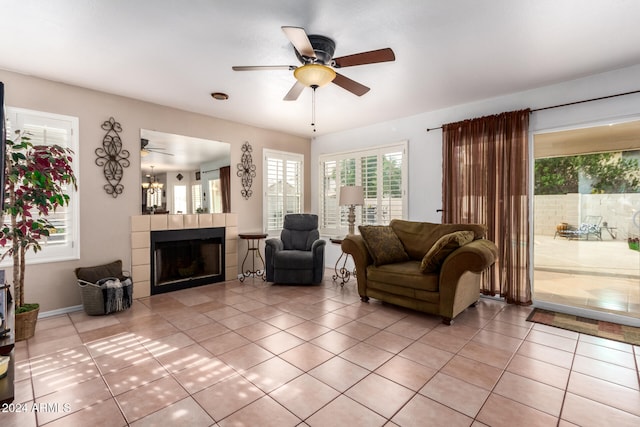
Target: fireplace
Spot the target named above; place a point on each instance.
(186, 258)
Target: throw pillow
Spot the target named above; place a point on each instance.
(383, 244)
(443, 247)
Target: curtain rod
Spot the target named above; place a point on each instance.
(568, 104)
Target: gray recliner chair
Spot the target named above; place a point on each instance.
(297, 257)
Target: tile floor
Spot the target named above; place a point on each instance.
(255, 354)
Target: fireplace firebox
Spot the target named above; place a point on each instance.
(186, 258)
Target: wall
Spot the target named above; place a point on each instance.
(425, 151)
(617, 210)
(104, 229)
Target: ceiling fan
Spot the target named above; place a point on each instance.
(315, 53)
(145, 149)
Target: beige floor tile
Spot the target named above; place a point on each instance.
(473, 372)
(606, 371)
(553, 340)
(427, 355)
(304, 395)
(388, 341)
(184, 358)
(263, 412)
(134, 376)
(72, 399)
(456, 394)
(346, 412)
(422, 411)
(339, 373)
(150, 397)
(539, 371)
(588, 413)
(486, 354)
(614, 395)
(606, 354)
(245, 357)
(224, 343)
(358, 330)
(308, 330)
(185, 412)
(204, 374)
(512, 413)
(532, 393)
(257, 331)
(335, 342)
(279, 342)
(103, 414)
(366, 355)
(403, 371)
(368, 391)
(271, 374)
(226, 397)
(306, 356)
(65, 377)
(543, 353)
(443, 341)
(204, 332)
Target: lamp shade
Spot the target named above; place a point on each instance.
(314, 75)
(351, 195)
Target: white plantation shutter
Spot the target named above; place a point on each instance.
(53, 129)
(283, 187)
(196, 197)
(382, 174)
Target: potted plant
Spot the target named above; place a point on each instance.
(37, 178)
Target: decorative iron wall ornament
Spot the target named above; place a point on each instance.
(112, 157)
(246, 170)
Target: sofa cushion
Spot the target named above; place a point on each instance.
(402, 278)
(443, 247)
(418, 237)
(383, 244)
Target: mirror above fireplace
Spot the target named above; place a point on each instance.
(187, 169)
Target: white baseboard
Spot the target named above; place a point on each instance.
(59, 311)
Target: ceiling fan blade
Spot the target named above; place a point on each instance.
(363, 58)
(299, 39)
(263, 67)
(350, 85)
(294, 92)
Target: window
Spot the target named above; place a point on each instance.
(283, 187)
(215, 201)
(154, 198)
(180, 199)
(196, 198)
(50, 129)
(381, 172)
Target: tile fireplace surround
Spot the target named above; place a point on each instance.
(143, 225)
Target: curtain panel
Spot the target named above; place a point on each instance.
(486, 181)
(225, 188)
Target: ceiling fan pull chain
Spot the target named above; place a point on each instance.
(313, 108)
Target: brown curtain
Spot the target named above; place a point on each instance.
(225, 188)
(486, 181)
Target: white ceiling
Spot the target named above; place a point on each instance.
(176, 53)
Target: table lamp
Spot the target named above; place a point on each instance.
(352, 196)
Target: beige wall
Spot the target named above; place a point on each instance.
(104, 229)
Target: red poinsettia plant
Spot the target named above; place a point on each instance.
(37, 178)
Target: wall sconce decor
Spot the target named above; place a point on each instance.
(246, 171)
(112, 158)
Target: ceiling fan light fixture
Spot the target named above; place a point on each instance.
(314, 75)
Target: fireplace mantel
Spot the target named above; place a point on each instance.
(142, 225)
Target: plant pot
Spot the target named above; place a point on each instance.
(25, 324)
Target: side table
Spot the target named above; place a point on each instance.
(343, 272)
(253, 248)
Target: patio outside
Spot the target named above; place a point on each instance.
(595, 274)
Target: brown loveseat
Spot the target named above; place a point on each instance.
(428, 267)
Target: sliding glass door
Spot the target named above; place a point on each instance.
(587, 219)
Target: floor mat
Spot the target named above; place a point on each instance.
(583, 325)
